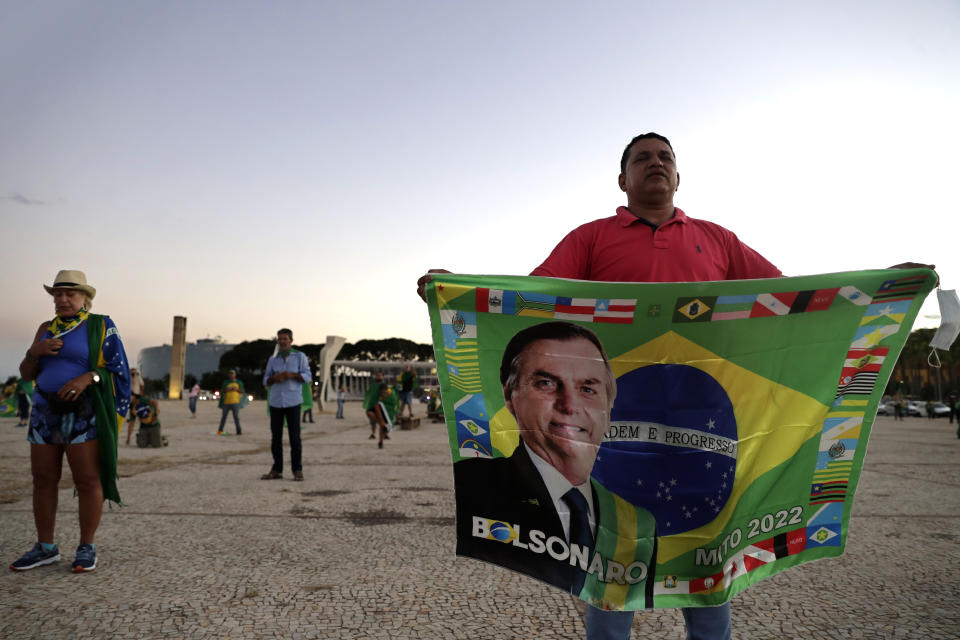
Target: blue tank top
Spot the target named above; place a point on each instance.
(72, 361)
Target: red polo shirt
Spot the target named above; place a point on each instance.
(624, 248)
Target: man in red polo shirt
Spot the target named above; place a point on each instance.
(650, 240)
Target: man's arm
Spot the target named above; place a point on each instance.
(917, 265)
(745, 263)
(570, 258)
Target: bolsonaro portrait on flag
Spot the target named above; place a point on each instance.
(538, 511)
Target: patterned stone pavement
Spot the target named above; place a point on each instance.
(364, 547)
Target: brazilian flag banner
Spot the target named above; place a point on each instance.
(652, 445)
(8, 407)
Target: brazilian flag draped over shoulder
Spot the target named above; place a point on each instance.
(732, 450)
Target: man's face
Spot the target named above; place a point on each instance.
(232, 375)
(284, 341)
(561, 404)
(651, 172)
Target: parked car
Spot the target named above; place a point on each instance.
(885, 409)
(940, 410)
(915, 408)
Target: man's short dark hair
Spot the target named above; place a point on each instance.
(286, 332)
(556, 330)
(642, 136)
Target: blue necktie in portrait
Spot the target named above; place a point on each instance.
(580, 532)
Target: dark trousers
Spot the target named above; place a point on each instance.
(23, 407)
(292, 416)
(227, 408)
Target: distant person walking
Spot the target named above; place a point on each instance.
(341, 397)
(24, 402)
(192, 399)
(307, 403)
(232, 396)
(136, 387)
(383, 412)
(408, 382)
(82, 391)
(370, 399)
(955, 405)
(898, 406)
(285, 374)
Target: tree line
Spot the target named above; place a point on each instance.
(913, 375)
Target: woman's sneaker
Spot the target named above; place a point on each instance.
(36, 557)
(86, 559)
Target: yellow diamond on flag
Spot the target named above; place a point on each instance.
(694, 309)
(773, 422)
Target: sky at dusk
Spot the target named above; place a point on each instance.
(252, 165)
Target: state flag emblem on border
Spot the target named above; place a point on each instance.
(694, 309)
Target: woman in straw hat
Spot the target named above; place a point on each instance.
(81, 396)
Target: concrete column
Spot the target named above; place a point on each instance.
(178, 357)
(330, 351)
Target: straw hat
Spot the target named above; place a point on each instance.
(71, 279)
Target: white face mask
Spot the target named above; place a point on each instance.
(949, 320)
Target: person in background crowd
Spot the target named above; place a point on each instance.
(370, 400)
(408, 382)
(307, 405)
(341, 397)
(136, 387)
(383, 412)
(192, 399)
(232, 396)
(284, 375)
(24, 401)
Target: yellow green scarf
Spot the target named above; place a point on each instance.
(60, 326)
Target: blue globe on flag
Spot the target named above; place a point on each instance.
(685, 417)
(501, 532)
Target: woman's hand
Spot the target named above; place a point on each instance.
(48, 347)
(73, 388)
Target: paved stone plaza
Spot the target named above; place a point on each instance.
(364, 547)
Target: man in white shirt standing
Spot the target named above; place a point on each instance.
(285, 374)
